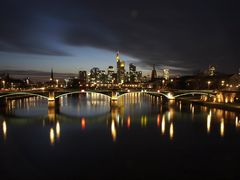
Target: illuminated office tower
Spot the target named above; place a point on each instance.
(166, 74)
(110, 73)
(120, 69)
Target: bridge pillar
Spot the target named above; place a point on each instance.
(53, 109)
(52, 101)
(51, 95)
(114, 98)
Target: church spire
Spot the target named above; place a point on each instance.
(51, 78)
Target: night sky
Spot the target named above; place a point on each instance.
(72, 35)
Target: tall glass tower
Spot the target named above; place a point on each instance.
(120, 69)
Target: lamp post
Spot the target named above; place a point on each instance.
(163, 81)
(209, 82)
(57, 82)
(3, 82)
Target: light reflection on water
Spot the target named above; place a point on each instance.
(58, 130)
(133, 109)
(52, 136)
(171, 131)
(4, 129)
(222, 127)
(163, 124)
(113, 131)
(209, 116)
(140, 123)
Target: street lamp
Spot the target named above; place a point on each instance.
(3, 82)
(163, 81)
(223, 82)
(57, 82)
(209, 82)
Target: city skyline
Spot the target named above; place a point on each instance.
(183, 37)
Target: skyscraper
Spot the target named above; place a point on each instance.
(110, 73)
(83, 76)
(166, 74)
(132, 73)
(120, 69)
(110, 70)
(132, 68)
(139, 76)
(94, 75)
(102, 76)
(154, 73)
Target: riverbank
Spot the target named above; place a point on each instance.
(225, 106)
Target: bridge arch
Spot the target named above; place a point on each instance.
(168, 96)
(195, 93)
(81, 92)
(23, 93)
(126, 93)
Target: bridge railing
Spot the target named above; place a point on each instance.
(22, 93)
(108, 94)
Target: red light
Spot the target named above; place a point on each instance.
(158, 120)
(83, 123)
(128, 122)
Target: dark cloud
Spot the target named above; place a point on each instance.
(177, 34)
(19, 31)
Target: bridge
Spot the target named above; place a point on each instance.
(53, 95)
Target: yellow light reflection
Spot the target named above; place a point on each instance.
(163, 124)
(169, 116)
(52, 136)
(4, 126)
(237, 124)
(58, 130)
(193, 111)
(209, 123)
(144, 120)
(51, 113)
(209, 118)
(222, 128)
(113, 131)
(171, 131)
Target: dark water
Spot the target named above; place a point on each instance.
(141, 138)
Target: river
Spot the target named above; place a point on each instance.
(141, 138)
